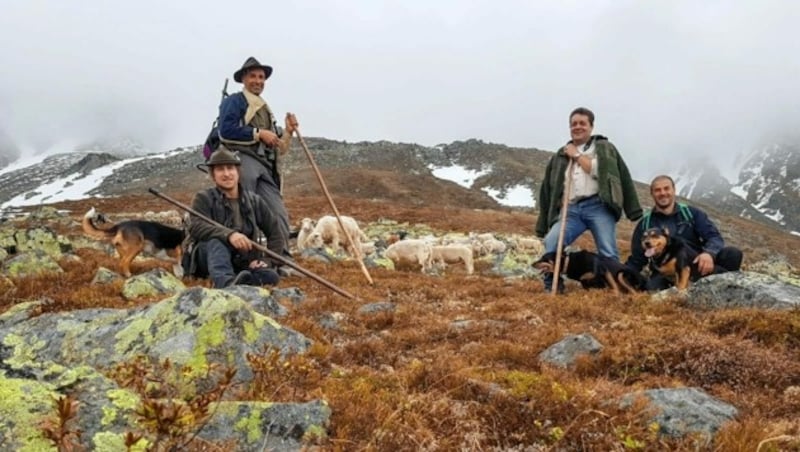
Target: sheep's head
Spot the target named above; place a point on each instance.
(315, 240)
(307, 224)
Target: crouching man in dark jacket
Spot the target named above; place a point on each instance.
(225, 254)
(693, 227)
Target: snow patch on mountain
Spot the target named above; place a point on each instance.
(458, 174)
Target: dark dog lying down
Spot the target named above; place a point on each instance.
(670, 256)
(593, 271)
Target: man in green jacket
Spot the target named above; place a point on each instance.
(225, 252)
(602, 188)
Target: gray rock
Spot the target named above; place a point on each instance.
(683, 411)
(564, 353)
(743, 290)
(261, 299)
(151, 284)
(30, 264)
(374, 308)
(268, 426)
(105, 276)
(330, 321)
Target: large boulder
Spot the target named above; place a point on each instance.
(30, 264)
(684, 411)
(45, 356)
(194, 328)
(743, 290)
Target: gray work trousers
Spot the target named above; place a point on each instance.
(261, 180)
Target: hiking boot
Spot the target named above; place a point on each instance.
(548, 284)
(265, 277)
(288, 272)
(244, 278)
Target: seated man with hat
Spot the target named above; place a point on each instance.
(247, 126)
(225, 253)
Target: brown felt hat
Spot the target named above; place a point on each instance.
(223, 156)
(251, 63)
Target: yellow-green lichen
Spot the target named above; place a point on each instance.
(138, 329)
(121, 400)
(19, 308)
(25, 354)
(314, 433)
(210, 334)
(251, 425)
(24, 406)
(113, 442)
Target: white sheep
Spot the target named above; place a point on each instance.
(328, 231)
(411, 252)
(453, 254)
(494, 246)
(535, 246)
(306, 228)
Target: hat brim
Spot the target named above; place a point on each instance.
(237, 76)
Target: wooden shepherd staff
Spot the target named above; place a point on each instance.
(258, 246)
(356, 249)
(562, 227)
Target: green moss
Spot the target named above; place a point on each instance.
(113, 442)
(24, 405)
(251, 425)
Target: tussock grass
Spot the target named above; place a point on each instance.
(455, 365)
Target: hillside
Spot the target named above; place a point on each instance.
(453, 364)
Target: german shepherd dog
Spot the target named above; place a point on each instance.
(593, 271)
(136, 236)
(670, 256)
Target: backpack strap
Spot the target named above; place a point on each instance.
(683, 209)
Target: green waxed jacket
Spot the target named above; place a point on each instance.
(617, 190)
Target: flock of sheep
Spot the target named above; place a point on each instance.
(425, 252)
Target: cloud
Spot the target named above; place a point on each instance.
(666, 79)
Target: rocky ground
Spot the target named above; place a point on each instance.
(416, 362)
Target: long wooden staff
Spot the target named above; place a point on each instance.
(562, 227)
(258, 246)
(356, 249)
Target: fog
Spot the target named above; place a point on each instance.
(668, 81)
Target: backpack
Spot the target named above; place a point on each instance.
(213, 140)
(683, 209)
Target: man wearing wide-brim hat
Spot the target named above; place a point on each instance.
(224, 252)
(247, 125)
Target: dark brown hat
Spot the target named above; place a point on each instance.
(223, 156)
(252, 63)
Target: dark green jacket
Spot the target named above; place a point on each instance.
(615, 183)
(255, 214)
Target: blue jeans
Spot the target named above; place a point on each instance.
(591, 214)
(221, 263)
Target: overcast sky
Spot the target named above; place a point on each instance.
(666, 79)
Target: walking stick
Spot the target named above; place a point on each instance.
(258, 246)
(562, 227)
(356, 250)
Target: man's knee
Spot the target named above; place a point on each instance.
(730, 258)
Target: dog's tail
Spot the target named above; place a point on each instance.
(93, 231)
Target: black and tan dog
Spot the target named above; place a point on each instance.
(670, 256)
(593, 271)
(136, 236)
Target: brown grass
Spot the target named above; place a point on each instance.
(455, 366)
